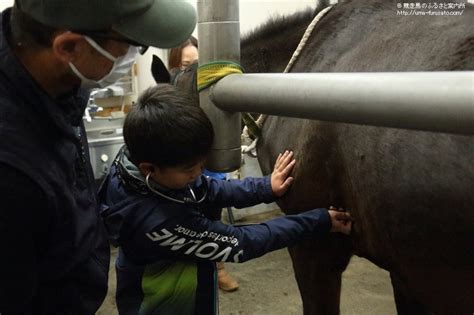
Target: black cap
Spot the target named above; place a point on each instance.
(158, 23)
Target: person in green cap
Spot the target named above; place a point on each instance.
(55, 256)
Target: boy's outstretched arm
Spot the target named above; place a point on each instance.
(251, 190)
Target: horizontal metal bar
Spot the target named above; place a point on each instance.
(430, 101)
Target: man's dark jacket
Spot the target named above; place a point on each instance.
(54, 254)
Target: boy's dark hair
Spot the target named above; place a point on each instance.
(167, 128)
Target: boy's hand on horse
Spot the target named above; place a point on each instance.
(280, 179)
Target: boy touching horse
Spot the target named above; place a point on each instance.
(158, 205)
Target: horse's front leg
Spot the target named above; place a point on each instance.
(318, 266)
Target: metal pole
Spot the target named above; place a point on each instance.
(430, 101)
(219, 39)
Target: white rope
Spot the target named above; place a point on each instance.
(250, 149)
(305, 37)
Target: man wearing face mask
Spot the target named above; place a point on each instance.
(121, 66)
(54, 253)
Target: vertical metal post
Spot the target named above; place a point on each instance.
(219, 39)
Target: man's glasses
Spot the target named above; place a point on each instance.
(96, 35)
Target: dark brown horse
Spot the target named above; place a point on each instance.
(411, 192)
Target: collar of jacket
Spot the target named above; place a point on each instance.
(132, 179)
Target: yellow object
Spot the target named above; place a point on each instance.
(210, 73)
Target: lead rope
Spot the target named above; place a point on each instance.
(245, 137)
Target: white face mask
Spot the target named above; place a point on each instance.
(121, 67)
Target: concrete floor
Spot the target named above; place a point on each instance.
(268, 286)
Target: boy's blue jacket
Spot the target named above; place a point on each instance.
(168, 248)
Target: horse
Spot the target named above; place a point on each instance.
(410, 192)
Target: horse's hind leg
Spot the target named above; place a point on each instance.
(318, 267)
(406, 304)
